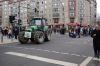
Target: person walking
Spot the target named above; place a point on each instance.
(78, 31)
(96, 41)
(10, 33)
(63, 29)
(84, 31)
(6, 31)
(16, 32)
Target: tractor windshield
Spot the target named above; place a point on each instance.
(35, 22)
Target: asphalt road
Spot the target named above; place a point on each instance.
(60, 51)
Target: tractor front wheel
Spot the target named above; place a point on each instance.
(22, 39)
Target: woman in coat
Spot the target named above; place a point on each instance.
(96, 41)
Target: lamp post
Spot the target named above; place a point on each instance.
(19, 19)
(19, 11)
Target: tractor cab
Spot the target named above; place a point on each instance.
(38, 22)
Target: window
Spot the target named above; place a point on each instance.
(55, 10)
(81, 14)
(71, 3)
(55, 4)
(45, 2)
(72, 7)
(44, 22)
(56, 15)
(71, 11)
(42, 2)
(38, 22)
(72, 14)
(37, 2)
(35, 22)
(41, 11)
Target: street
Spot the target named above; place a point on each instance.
(60, 51)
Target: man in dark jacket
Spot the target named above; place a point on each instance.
(16, 32)
(96, 41)
(78, 31)
(63, 29)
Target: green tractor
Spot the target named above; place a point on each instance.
(38, 32)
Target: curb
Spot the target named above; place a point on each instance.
(8, 42)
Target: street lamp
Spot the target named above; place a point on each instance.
(19, 12)
(19, 19)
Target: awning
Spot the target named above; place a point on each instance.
(61, 23)
(73, 24)
(85, 24)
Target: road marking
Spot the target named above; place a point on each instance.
(75, 54)
(96, 59)
(64, 53)
(84, 56)
(86, 61)
(56, 52)
(42, 59)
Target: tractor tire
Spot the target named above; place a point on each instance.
(22, 39)
(39, 37)
(32, 40)
(48, 35)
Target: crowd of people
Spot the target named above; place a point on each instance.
(74, 31)
(10, 32)
(80, 31)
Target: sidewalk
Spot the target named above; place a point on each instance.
(7, 40)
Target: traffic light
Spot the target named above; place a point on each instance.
(19, 22)
(35, 10)
(11, 19)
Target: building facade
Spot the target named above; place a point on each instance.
(82, 11)
(0, 13)
(56, 11)
(5, 13)
(64, 11)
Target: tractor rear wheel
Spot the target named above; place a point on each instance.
(48, 35)
(39, 37)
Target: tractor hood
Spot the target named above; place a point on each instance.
(37, 27)
(34, 27)
(31, 28)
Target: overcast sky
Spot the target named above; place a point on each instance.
(98, 6)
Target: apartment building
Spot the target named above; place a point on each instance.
(5, 13)
(64, 11)
(56, 11)
(0, 13)
(93, 12)
(24, 10)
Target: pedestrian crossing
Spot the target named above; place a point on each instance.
(53, 61)
(42, 59)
